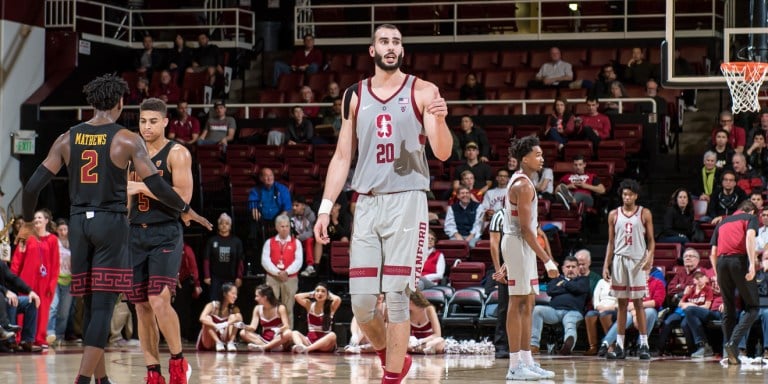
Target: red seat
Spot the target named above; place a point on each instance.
(527, 130)
(467, 274)
(209, 153)
(289, 82)
(615, 151)
(323, 153)
(667, 254)
(631, 134)
(297, 152)
(481, 254)
(443, 79)
(522, 76)
(601, 56)
(453, 250)
(542, 93)
(319, 81)
(482, 60)
(551, 154)
(495, 79)
(346, 79)
(265, 152)
(240, 153)
(575, 148)
(452, 61)
(513, 59)
(302, 171)
(424, 61)
(340, 258)
(538, 58)
(340, 62)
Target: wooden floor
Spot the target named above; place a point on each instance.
(127, 366)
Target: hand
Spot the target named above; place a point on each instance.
(751, 273)
(197, 292)
(704, 197)
(238, 282)
(191, 215)
(500, 276)
(255, 213)
(33, 297)
(606, 274)
(716, 220)
(134, 188)
(239, 325)
(12, 298)
(207, 281)
(220, 326)
(552, 273)
(282, 276)
(26, 230)
(321, 229)
(483, 159)
(437, 107)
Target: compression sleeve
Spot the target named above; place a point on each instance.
(36, 183)
(165, 193)
(348, 98)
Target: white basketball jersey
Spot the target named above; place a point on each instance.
(391, 140)
(629, 239)
(512, 225)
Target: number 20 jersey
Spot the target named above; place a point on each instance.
(95, 183)
(391, 140)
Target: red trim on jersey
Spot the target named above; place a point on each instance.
(621, 209)
(370, 90)
(512, 283)
(363, 272)
(624, 288)
(513, 213)
(414, 105)
(396, 270)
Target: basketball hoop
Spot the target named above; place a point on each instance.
(744, 79)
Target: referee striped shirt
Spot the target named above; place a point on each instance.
(497, 221)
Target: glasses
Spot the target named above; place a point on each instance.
(726, 121)
(689, 255)
(764, 215)
(730, 180)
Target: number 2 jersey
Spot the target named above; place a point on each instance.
(95, 182)
(391, 140)
(629, 235)
(146, 210)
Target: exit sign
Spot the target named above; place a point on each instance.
(24, 143)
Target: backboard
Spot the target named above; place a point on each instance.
(706, 33)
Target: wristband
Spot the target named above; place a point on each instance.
(550, 265)
(186, 208)
(325, 207)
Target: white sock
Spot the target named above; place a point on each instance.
(620, 341)
(526, 357)
(514, 359)
(643, 339)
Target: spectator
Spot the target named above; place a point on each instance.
(426, 335)
(737, 136)
(756, 197)
(121, 325)
(757, 156)
(308, 60)
(220, 321)
(167, 90)
(467, 180)
(598, 122)
(696, 317)
(584, 258)
(722, 149)
(471, 89)
(470, 133)
(308, 96)
(639, 70)
(464, 219)
(708, 175)
(333, 118)
(493, 200)
(560, 124)
(683, 275)
(206, 57)
(602, 87)
(58, 316)
(617, 91)
(321, 305)
(300, 129)
(339, 228)
(482, 171)
(188, 289)
(512, 165)
(579, 186)
(604, 311)
(180, 58)
(746, 179)
(333, 92)
(555, 73)
(568, 296)
(761, 240)
(652, 91)
(543, 180)
(699, 295)
(12, 304)
(267, 201)
(223, 258)
(281, 257)
(184, 128)
(760, 130)
(433, 269)
(678, 219)
(725, 198)
(149, 59)
(219, 129)
(302, 224)
(37, 263)
(653, 300)
(272, 318)
(139, 93)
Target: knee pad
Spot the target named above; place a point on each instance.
(364, 307)
(397, 307)
(101, 306)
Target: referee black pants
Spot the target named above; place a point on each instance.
(731, 272)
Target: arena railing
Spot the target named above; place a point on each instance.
(228, 27)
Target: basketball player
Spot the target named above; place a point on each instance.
(520, 248)
(628, 259)
(156, 244)
(97, 154)
(388, 117)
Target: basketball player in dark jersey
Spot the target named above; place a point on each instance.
(97, 154)
(156, 244)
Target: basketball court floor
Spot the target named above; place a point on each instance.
(127, 366)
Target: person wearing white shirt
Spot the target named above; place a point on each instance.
(493, 200)
(544, 182)
(282, 258)
(762, 234)
(555, 73)
(464, 219)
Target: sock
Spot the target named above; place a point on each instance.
(620, 341)
(514, 359)
(153, 368)
(83, 380)
(178, 356)
(382, 356)
(526, 357)
(644, 340)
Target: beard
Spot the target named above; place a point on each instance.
(379, 60)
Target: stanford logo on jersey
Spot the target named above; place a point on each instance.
(384, 126)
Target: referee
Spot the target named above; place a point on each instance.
(495, 229)
(734, 259)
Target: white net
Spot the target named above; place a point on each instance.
(744, 79)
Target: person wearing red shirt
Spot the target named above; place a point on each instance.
(308, 60)
(746, 179)
(578, 187)
(167, 90)
(698, 295)
(599, 122)
(738, 136)
(434, 267)
(282, 257)
(185, 128)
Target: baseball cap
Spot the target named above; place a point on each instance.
(218, 102)
(471, 144)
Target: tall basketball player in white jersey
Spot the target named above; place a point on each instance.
(388, 118)
(628, 259)
(520, 248)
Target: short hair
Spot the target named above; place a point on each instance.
(584, 252)
(467, 171)
(727, 172)
(756, 192)
(282, 219)
(382, 26)
(630, 184)
(747, 206)
(693, 251)
(571, 258)
(726, 113)
(579, 157)
(61, 221)
(727, 134)
(739, 154)
(105, 92)
(502, 170)
(224, 216)
(519, 148)
(307, 35)
(592, 98)
(709, 154)
(154, 104)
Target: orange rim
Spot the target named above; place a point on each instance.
(752, 70)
